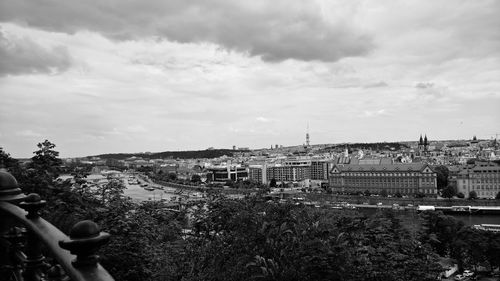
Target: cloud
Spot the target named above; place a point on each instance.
(274, 31)
(424, 85)
(375, 113)
(262, 119)
(376, 85)
(431, 91)
(28, 133)
(24, 56)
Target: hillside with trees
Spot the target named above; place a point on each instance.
(375, 146)
(189, 154)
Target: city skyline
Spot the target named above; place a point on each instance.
(104, 77)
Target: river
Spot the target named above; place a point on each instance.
(138, 193)
(135, 192)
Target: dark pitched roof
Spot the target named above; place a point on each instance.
(398, 167)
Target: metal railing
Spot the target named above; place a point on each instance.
(23, 234)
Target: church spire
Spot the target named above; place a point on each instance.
(421, 141)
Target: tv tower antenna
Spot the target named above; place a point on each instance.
(307, 135)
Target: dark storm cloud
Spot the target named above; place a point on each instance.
(22, 55)
(274, 30)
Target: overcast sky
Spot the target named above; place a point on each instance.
(129, 76)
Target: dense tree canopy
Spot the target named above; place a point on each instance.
(284, 242)
(442, 176)
(449, 191)
(472, 195)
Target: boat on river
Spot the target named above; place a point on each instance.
(487, 227)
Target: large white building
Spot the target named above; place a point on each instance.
(483, 177)
(374, 176)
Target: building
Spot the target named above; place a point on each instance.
(291, 170)
(483, 177)
(319, 170)
(374, 175)
(257, 173)
(225, 173)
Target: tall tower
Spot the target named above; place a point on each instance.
(426, 143)
(307, 135)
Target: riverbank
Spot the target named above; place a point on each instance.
(372, 200)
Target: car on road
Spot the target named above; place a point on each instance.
(459, 277)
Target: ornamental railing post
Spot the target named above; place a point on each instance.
(15, 237)
(10, 263)
(85, 240)
(34, 257)
(23, 232)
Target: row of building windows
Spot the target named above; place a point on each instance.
(494, 176)
(391, 190)
(486, 187)
(386, 179)
(486, 171)
(384, 174)
(486, 193)
(486, 181)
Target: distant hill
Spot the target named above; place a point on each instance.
(191, 154)
(372, 146)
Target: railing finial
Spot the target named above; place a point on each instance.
(85, 240)
(9, 188)
(32, 204)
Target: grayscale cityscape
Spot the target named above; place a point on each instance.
(250, 140)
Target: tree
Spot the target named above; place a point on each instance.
(473, 246)
(498, 196)
(472, 195)
(242, 240)
(196, 178)
(110, 191)
(5, 160)
(471, 161)
(442, 176)
(46, 159)
(419, 194)
(383, 193)
(460, 195)
(272, 183)
(449, 191)
(11, 164)
(439, 230)
(172, 176)
(42, 171)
